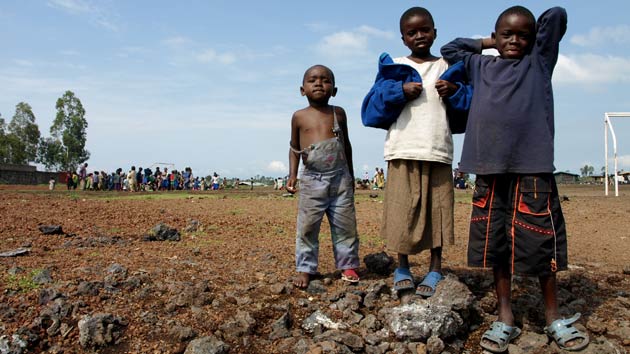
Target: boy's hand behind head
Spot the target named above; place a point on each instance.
(445, 88)
(412, 90)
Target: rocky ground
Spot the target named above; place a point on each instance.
(215, 278)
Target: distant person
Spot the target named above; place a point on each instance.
(280, 182)
(96, 179)
(374, 185)
(517, 225)
(319, 136)
(83, 176)
(380, 179)
(419, 198)
(215, 182)
(139, 179)
(132, 183)
(69, 181)
(51, 184)
(251, 185)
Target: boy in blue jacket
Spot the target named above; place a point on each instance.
(517, 224)
(406, 99)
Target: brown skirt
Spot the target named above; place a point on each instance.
(418, 210)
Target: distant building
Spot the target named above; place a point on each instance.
(566, 178)
(26, 174)
(599, 179)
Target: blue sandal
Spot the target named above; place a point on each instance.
(401, 275)
(563, 331)
(500, 334)
(430, 281)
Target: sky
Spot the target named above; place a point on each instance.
(213, 84)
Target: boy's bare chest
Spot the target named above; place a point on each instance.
(316, 132)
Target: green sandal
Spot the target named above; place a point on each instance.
(500, 334)
(563, 331)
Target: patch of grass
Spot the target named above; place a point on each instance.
(370, 240)
(211, 228)
(23, 283)
(74, 195)
(197, 234)
(463, 196)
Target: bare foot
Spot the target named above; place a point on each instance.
(301, 280)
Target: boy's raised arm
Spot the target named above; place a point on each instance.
(461, 48)
(551, 27)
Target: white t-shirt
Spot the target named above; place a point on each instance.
(421, 132)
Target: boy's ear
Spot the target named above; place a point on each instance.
(434, 33)
(493, 36)
(302, 91)
(334, 92)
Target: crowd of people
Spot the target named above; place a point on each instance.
(139, 179)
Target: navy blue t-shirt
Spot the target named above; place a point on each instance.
(511, 121)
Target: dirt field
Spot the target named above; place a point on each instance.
(244, 239)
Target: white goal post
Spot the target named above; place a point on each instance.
(608, 126)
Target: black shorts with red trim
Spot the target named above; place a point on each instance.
(517, 221)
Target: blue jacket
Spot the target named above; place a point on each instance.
(386, 99)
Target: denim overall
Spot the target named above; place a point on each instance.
(326, 187)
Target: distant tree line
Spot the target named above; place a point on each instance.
(21, 141)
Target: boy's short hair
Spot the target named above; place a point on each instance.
(415, 11)
(520, 11)
(332, 75)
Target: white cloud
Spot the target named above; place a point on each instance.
(375, 32)
(591, 69)
(177, 41)
(72, 6)
(619, 34)
(490, 51)
(69, 52)
(277, 166)
(93, 13)
(22, 62)
(319, 26)
(211, 56)
(350, 43)
(623, 161)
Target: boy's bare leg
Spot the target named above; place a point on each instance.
(435, 266)
(503, 288)
(302, 280)
(549, 289)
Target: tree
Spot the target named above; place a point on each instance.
(51, 153)
(587, 170)
(68, 135)
(4, 146)
(23, 135)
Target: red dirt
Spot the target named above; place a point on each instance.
(246, 240)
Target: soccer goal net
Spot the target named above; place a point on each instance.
(609, 128)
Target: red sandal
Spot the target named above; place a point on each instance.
(350, 275)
